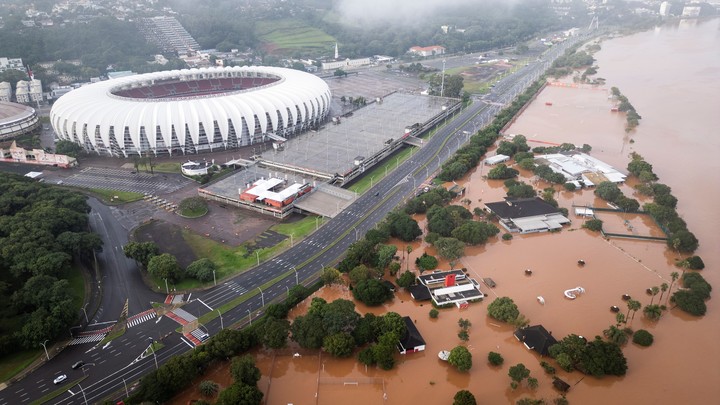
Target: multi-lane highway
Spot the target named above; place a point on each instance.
(114, 368)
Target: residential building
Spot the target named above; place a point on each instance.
(536, 338)
(11, 63)
(168, 34)
(28, 91)
(5, 91)
(412, 341)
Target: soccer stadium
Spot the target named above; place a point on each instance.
(191, 111)
(16, 120)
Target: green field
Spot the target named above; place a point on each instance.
(284, 36)
(123, 197)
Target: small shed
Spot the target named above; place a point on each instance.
(560, 385)
(489, 282)
(412, 341)
(493, 160)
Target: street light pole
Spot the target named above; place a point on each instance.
(297, 278)
(292, 241)
(167, 290)
(127, 393)
(372, 179)
(249, 317)
(222, 326)
(46, 352)
(214, 279)
(85, 312)
(83, 392)
(262, 296)
(257, 254)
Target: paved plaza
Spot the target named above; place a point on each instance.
(124, 180)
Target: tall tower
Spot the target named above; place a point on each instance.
(337, 54)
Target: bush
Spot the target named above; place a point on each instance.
(434, 313)
(593, 225)
(193, 207)
(496, 359)
(694, 263)
(426, 262)
(507, 236)
(643, 338)
(547, 367)
(570, 186)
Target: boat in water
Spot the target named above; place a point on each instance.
(574, 292)
(444, 355)
(541, 300)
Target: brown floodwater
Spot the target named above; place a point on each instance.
(677, 134)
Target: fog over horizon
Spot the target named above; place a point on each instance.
(402, 12)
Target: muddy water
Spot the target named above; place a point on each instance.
(672, 77)
(677, 135)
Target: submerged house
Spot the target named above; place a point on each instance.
(527, 215)
(536, 338)
(412, 341)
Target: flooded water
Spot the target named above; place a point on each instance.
(677, 135)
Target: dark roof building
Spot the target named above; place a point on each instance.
(413, 340)
(526, 215)
(536, 338)
(419, 292)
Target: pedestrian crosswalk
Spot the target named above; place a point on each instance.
(87, 339)
(237, 288)
(140, 318)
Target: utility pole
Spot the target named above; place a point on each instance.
(442, 81)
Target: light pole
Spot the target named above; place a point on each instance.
(317, 226)
(292, 241)
(257, 254)
(214, 279)
(46, 352)
(222, 326)
(85, 312)
(372, 179)
(127, 393)
(397, 162)
(153, 352)
(83, 392)
(249, 317)
(442, 81)
(262, 296)
(297, 278)
(356, 234)
(167, 290)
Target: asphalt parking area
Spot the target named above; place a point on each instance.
(125, 180)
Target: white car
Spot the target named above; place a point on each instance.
(59, 379)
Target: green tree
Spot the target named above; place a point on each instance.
(501, 172)
(330, 275)
(633, 306)
(372, 292)
(164, 266)
(608, 191)
(683, 241)
(461, 358)
(434, 313)
(616, 335)
(643, 338)
(689, 302)
(244, 371)
(68, 148)
(503, 309)
(201, 269)
(496, 359)
(385, 255)
(274, 333)
(141, 252)
(340, 316)
(518, 373)
(403, 226)
(238, 393)
(426, 262)
(450, 249)
(663, 288)
(359, 274)
(308, 330)
(384, 350)
(474, 233)
(673, 278)
(594, 225)
(340, 344)
(208, 388)
(406, 279)
(464, 397)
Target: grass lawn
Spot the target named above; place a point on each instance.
(114, 334)
(167, 167)
(16, 362)
(77, 286)
(122, 196)
(290, 34)
(194, 213)
(297, 229)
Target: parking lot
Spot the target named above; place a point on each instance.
(124, 180)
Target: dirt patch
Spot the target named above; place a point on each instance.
(169, 239)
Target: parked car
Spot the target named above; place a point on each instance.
(59, 379)
(78, 365)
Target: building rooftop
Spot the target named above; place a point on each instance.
(439, 276)
(521, 208)
(536, 338)
(412, 337)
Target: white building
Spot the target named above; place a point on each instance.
(493, 160)
(5, 91)
(664, 8)
(28, 92)
(11, 63)
(581, 167)
(347, 63)
(427, 51)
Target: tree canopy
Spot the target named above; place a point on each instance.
(461, 358)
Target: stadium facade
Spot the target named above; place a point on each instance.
(16, 120)
(190, 111)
